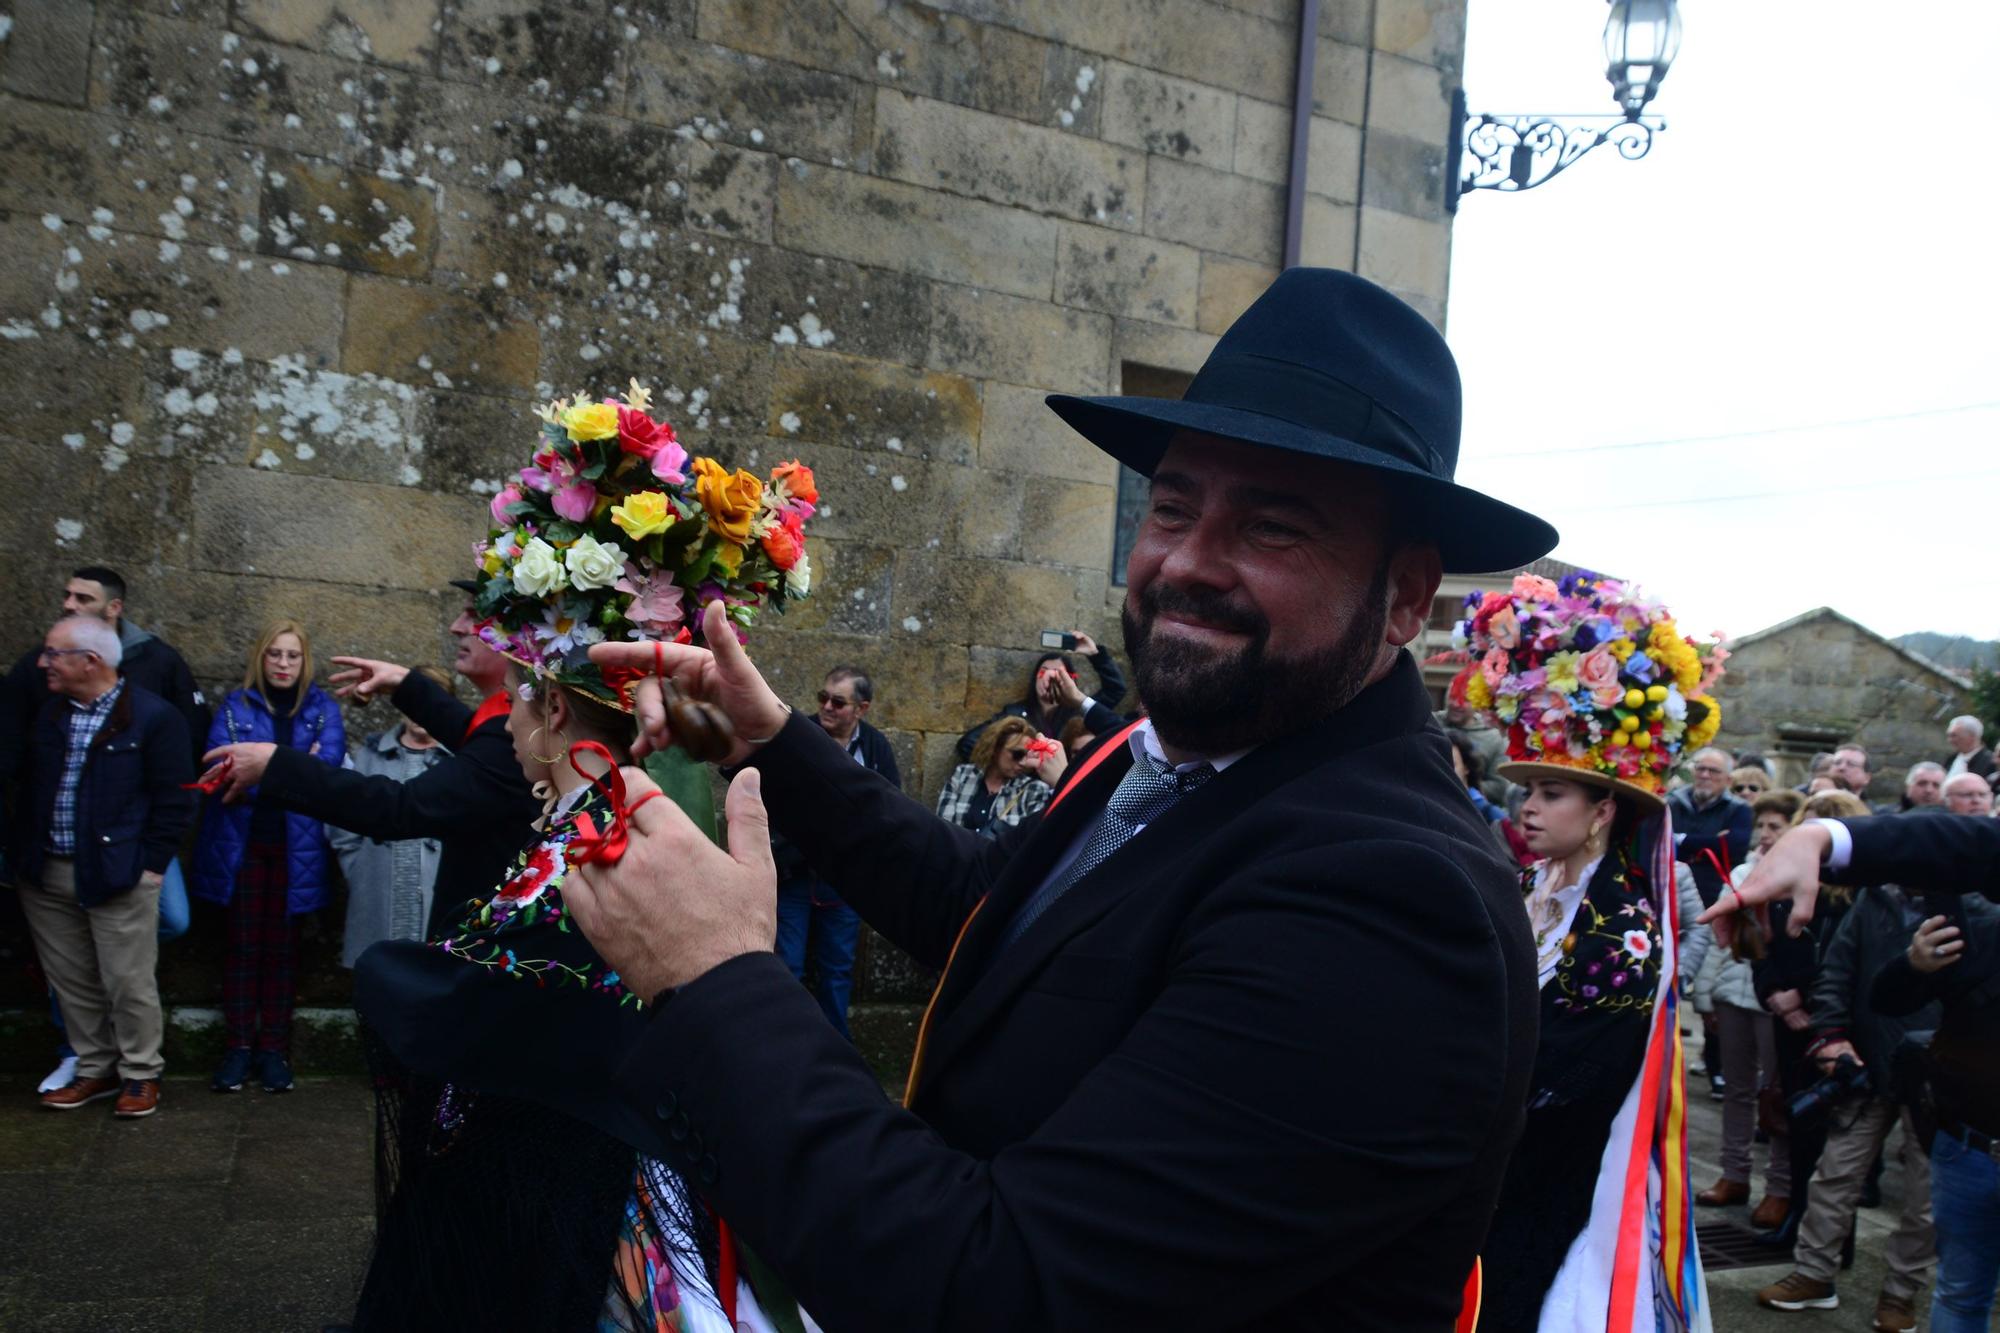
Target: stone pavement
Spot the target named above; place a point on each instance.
(254, 1213)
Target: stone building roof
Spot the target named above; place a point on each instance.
(1828, 613)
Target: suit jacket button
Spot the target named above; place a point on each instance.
(709, 1169)
(678, 1129)
(667, 1106)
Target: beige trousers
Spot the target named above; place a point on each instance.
(1856, 1128)
(102, 962)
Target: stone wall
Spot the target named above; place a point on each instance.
(279, 280)
(1819, 680)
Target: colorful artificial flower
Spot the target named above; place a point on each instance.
(539, 570)
(591, 421)
(593, 564)
(730, 499)
(644, 514)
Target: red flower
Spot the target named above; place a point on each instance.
(785, 540)
(640, 434)
(528, 882)
(798, 479)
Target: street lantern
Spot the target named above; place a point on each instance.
(1512, 153)
(1641, 38)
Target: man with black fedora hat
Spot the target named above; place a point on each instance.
(1236, 1034)
(475, 801)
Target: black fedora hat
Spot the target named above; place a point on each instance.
(1328, 364)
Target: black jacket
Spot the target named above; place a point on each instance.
(147, 661)
(1956, 855)
(476, 801)
(1875, 932)
(1722, 828)
(1261, 1068)
(878, 756)
(1098, 720)
(131, 808)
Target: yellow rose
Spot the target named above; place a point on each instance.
(643, 514)
(729, 559)
(731, 500)
(591, 421)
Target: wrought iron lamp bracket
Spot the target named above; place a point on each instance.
(1518, 152)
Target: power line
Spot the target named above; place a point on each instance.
(1796, 492)
(1750, 434)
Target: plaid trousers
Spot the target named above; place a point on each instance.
(257, 975)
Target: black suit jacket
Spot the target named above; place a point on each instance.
(1260, 1069)
(1952, 854)
(476, 801)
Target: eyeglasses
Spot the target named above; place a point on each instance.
(1742, 787)
(1017, 755)
(51, 654)
(834, 701)
(1711, 772)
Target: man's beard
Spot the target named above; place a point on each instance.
(1213, 702)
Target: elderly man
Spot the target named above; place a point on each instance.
(1968, 794)
(1923, 787)
(1966, 735)
(1711, 825)
(1237, 1034)
(99, 819)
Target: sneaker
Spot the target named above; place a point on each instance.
(80, 1092)
(62, 1076)
(1799, 1292)
(140, 1098)
(275, 1071)
(1716, 1088)
(1893, 1314)
(235, 1068)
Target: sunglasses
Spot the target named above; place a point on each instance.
(1017, 755)
(834, 700)
(1742, 787)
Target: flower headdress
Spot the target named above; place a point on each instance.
(1587, 676)
(612, 532)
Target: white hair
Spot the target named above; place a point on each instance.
(1967, 722)
(1966, 779)
(1925, 767)
(95, 637)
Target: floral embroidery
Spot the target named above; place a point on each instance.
(1610, 960)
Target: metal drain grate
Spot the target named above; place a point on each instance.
(1725, 1246)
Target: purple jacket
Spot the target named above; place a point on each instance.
(225, 829)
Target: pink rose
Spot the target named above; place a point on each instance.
(1535, 587)
(1598, 673)
(509, 495)
(1494, 666)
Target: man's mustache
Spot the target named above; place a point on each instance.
(1203, 604)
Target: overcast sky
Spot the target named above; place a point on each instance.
(1811, 242)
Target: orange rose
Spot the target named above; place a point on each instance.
(798, 479)
(730, 499)
(784, 542)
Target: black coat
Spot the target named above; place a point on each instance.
(476, 801)
(1259, 1069)
(131, 808)
(1723, 827)
(875, 754)
(1956, 855)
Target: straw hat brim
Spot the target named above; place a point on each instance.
(1524, 771)
(620, 699)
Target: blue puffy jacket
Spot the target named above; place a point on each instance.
(225, 829)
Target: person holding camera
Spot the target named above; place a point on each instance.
(1853, 1047)
(1054, 695)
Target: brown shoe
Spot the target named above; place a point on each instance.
(141, 1097)
(80, 1092)
(1771, 1214)
(1799, 1292)
(1894, 1314)
(1723, 1193)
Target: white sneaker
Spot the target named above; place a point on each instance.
(64, 1074)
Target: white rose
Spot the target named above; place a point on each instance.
(799, 578)
(1677, 707)
(594, 564)
(539, 571)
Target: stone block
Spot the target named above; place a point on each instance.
(1406, 253)
(1064, 523)
(71, 164)
(870, 405)
(1340, 81)
(852, 589)
(743, 99)
(324, 424)
(731, 192)
(713, 388)
(1264, 150)
(999, 675)
(1020, 341)
(1228, 286)
(410, 333)
(1275, 11)
(1349, 21)
(470, 437)
(393, 32)
(943, 147)
(1169, 116)
(1019, 433)
(1072, 91)
(1407, 98)
(1011, 604)
(1429, 31)
(46, 54)
(1404, 175)
(931, 596)
(1121, 274)
(215, 617)
(871, 500)
(570, 53)
(919, 683)
(261, 308)
(1138, 343)
(76, 402)
(911, 230)
(324, 213)
(980, 513)
(252, 521)
(868, 312)
(1326, 234)
(1214, 210)
(1263, 142)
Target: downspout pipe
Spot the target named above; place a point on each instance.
(1302, 112)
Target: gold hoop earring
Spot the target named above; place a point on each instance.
(550, 759)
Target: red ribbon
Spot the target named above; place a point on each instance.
(214, 782)
(1042, 747)
(622, 678)
(590, 846)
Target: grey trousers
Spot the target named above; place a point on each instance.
(1749, 1062)
(101, 961)
(1857, 1129)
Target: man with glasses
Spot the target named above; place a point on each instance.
(809, 911)
(1711, 825)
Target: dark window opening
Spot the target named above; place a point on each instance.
(1133, 489)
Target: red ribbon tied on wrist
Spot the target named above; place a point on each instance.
(589, 846)
(213, 782)
(1042, 747)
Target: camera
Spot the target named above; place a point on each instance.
(1814, 1102)
(1055, 638)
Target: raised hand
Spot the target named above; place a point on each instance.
(237, 767)
(721, 675)
(1790, 869)
(364, 677)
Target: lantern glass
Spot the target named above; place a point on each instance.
(1641, 38)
